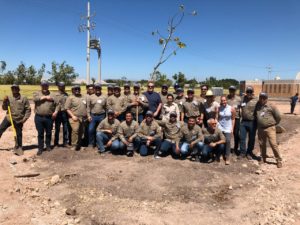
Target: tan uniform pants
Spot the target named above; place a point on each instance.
(263, 135)
(77, 131)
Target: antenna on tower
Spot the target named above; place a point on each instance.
(270, 70)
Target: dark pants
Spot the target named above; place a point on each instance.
(236, 133)
(145, 150)
(96, 119)
(102, 140)
(292, 108)
(166, 146)
(136, 144)
(18, 126)
(250, 128)
(62, 119)
(43, 124)
(218, 150)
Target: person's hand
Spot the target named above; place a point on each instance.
(117, 114)
(155, 114)
(130, 139)
(126, 143)
(109, 143)
(177, 150)
(75, 118)
(49, 98)
(54, 115)
(191, 145)
(135, 104)
(150, 138)
(108, 131)
(212, 144)
(89, 118)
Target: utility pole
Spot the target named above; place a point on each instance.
(87, 27)
(269, 69)
(99, 62)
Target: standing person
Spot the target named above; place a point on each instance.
(267, 116)
(128, 131)
(175, 86)
(169, 107)
(248, 124)
(96, 106)
(20, 112)
(209, 108)
(117, 104)
(226, 125)
(150, 135)
(138, 104)
(294, 100)
(235, 101)
(127, 94)
(164, 93)
(179, 100)
(46, 110)
(76, 108)
(191, 138)
(110, 90)
(107, 133)
(214, 141)
(191, 107)
(90, 90)
(62, 116)
(204, 89)
(154, 100)
(171, 130)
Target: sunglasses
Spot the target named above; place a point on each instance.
(250, 92)
(150, 86)
(77, 89)
(203, 89)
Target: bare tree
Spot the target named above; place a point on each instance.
(170, 44)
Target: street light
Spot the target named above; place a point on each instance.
(95, 44)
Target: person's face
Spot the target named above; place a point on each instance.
(61, 88)
(164, 90)
(170, 99)
(45, 88)
(90, 90)
(126, 90)
(180, 94)
(150, 87)
(128, 117)
(203, 90)
(231, 92)
(263, 100)
(223, 101)
(173, 118)
(76, 91)
(15, 90)
(110, 116)
(249, 93)
(136, 91)
(190, 95)
(191, 122)
(213, 124)
(149, 119)
(117, 92)
(209, 99)
(98, 90)
(110, 91)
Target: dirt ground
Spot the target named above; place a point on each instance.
(107, 189)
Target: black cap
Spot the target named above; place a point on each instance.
(149, 113)
(44, 83)
(136, 85)
(110, 86)
(190, 91)
(76, 86)
(249, 88)
(110, 111)
(126, 85)
(117, 87)
(97, 85)
(61, 84)
(232, 87)
(179, 90)
(165, 85)
(176, 85)
(263, 95)
(15, 85)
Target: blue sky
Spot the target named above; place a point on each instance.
(227, 39)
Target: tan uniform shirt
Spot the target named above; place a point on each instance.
(126, 131)
(163, 98)
(191, 108)
(106, 125)
(167, 109)
(153, 129)
(96, 104)
(118, 104)
(144, 103)
(235, 102)
(172, 130)
(77, 105)
(267, 115)
(216, 136)
(61, 98)
(45, 107)
(179, 102)
(192, 135)
(248, 107)
(19, 107)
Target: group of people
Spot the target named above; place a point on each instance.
(177, 124)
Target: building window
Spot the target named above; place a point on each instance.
(279, 88)
(270, 89)
(284, 88)
(289, 88)
(275, 88)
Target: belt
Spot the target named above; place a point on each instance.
(43, 115)
(98, 114)
(248, 120)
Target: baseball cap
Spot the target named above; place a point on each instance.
(110, 111)
(61, 84)
(149, 113)
(232, 87)
(44, 83)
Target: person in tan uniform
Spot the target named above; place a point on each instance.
(209, 108)
(137, 104)
(20, 112)
(203, 89)
(96, 112)
(128, 131)
(76, 108)
(110, 90)
(46, 110)
(179, 100)
(191, 107)
(150, 135)
(267, 117)
(90, 90)
(62, 116)
(169, 107)
(164, 93)
(235, 101)
(107, 133)
(116, 103)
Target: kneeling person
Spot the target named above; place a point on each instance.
(214, 141)
(128, 134)
(192, 138)
(150, 134)
(107, 135)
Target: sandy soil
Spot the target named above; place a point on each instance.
(108, 189)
